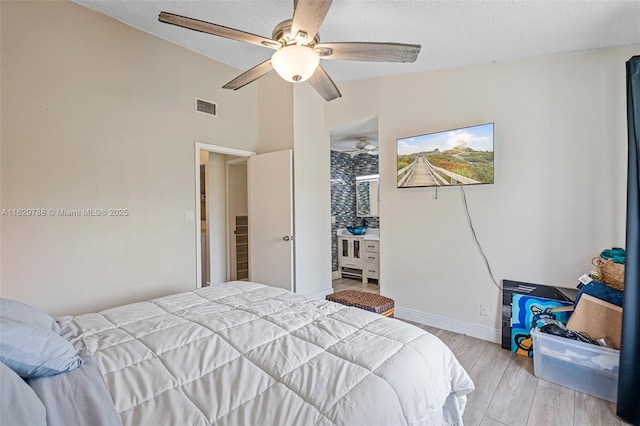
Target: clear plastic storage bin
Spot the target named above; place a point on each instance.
(580, 366)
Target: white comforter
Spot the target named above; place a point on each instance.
(246, 354)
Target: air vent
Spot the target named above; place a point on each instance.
(204, 106)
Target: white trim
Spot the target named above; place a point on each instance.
(223, 149)
(473, 330)
(201, 146)
(335, 275)
(321, 294)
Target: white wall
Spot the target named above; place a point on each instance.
(292, 116)
(217, 217)
(275, 117)
(1, 95)
(559, 192)
(238, 188)
(312, 176)
(96, 114)
(238, 198)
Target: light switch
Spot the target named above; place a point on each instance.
(190, 216)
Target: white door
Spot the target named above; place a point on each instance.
(270, 205)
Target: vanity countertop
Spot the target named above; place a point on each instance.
(371, 234)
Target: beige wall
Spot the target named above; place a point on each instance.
(292, 116)
(559, 192)
(1, 97)
(217, 217)
(238, 197)
(275, 113)
(238, 188)
(96, 114)
(312, 177)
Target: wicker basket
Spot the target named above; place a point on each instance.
(363, 300)
(611, 273)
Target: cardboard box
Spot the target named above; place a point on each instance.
(598, 319)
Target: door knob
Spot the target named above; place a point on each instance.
(288, 238)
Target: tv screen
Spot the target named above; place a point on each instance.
(452, 157)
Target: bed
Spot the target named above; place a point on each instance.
(243, 353)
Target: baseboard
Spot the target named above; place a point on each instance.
(335, 275)
(321, 294)
(473, 330)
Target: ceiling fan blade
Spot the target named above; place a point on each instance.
(372, 52)
(215, 29)
(249, 76)
(308, 16)
(321, 81)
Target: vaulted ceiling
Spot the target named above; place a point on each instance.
(452, 33)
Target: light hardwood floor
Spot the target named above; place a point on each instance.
(351, 284)
(507, 392)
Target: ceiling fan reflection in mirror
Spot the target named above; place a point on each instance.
(363, 147)
(298, 49)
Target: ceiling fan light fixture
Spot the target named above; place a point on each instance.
(295, 63)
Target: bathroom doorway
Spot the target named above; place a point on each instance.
(355, 182)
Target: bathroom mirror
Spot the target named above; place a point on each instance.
(367, 195)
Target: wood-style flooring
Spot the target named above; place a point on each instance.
(507, 392)
(351, 284)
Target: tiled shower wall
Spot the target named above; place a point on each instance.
(344, 170)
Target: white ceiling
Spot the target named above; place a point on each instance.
(452, 33)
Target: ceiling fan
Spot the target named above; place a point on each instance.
(363, 147)
(298, 48)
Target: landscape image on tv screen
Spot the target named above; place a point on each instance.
(453, 157)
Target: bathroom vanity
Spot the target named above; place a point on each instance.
(359, 255)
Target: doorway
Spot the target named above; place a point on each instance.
(214, 234)
(354, 167)
(269, 228)
(238, 219)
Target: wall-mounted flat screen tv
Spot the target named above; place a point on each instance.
(452, 157)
